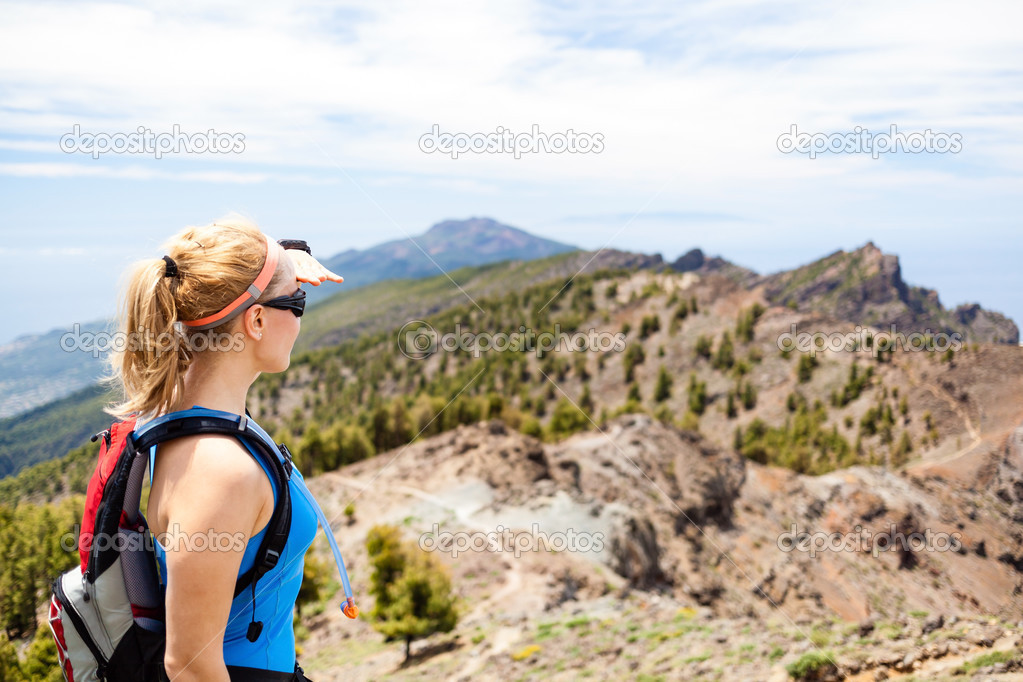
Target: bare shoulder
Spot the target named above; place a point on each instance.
(226, 459)
(213, 459)
(210, 473)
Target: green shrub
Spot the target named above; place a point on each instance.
(984, 660)
(802, 443)
(531, 427)
(813, 665)
(690, 422)
(567, 419)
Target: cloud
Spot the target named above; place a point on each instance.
(692, 94)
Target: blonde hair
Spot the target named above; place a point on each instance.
(216, 263)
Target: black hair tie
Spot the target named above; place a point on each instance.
(172, 267)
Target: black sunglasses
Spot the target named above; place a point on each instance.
(295, 303)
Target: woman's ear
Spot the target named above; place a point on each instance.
(253, 322)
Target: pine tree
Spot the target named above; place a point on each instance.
(412, 590)
(749, 396)
(634, 355)
(703, 346)
(41, 663)
(663, 389)
(10, 670)
(805, 369)
(586, 400)
(697, 395)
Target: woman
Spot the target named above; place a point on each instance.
(229, 297)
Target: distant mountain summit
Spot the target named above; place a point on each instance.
(866, 286)
(488, 238)
(450, 244)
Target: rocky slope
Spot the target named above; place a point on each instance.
(694, 577)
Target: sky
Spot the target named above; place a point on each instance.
(319, 110)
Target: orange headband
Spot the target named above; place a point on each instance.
(248, 297)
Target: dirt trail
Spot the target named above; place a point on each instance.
(503, 637)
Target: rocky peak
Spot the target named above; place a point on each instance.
(866, 286)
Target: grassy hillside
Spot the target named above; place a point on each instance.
(379, 306)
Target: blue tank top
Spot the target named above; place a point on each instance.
(276, 591)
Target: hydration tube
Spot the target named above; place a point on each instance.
(348, 607)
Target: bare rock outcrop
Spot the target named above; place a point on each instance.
(866, 286)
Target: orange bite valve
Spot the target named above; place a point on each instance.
(350, 609)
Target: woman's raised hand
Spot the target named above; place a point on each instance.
(308, 269)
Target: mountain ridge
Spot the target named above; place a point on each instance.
(819, 287)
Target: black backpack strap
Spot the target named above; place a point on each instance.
(272, 546)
